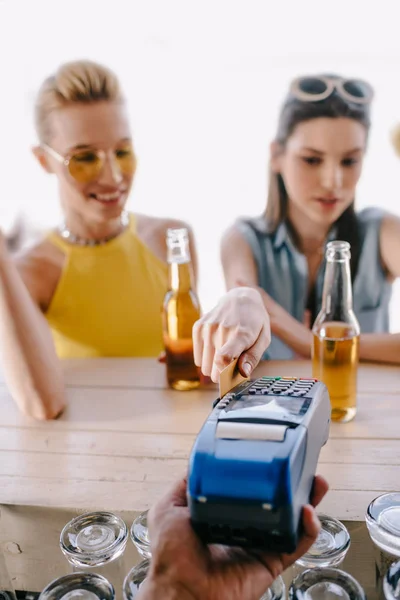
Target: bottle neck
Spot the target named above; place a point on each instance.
(180, 266)
(337, 297)
(180, 277)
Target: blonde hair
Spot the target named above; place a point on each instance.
(80, 81)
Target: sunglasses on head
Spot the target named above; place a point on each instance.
(85, 166)
(316, 89)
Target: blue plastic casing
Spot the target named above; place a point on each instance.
(253, 463)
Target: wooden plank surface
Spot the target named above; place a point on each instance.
(125, 444)
(164, 445)
(120, 409)
(149, 374)
(167, 411)
(131, 470)
(348, 504)
(118, 446)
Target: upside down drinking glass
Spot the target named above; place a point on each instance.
(93, 542)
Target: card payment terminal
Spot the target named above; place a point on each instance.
(253, 463)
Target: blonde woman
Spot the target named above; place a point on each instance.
(95, 285)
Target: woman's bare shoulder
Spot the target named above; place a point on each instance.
(232, 235)
(40, 268)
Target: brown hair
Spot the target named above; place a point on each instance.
(80, 81)
(293, 112)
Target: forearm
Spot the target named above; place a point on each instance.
(294, 334)
(380, 347)
(383, 348)
(31, 368)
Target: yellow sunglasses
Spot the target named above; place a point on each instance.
(85, 166)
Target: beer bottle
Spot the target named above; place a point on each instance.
(336, 334)
(181, 310)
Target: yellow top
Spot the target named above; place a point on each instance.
(109, 298)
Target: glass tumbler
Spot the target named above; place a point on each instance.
(329, 549)
(93, 542)
(325, 584)
(383, 522)
(79, 586)
(391, 582)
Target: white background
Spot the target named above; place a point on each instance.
(204, 81)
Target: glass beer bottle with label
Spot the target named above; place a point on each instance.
(180, 312)
(336, 335)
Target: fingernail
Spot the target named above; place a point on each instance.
(247, 369)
